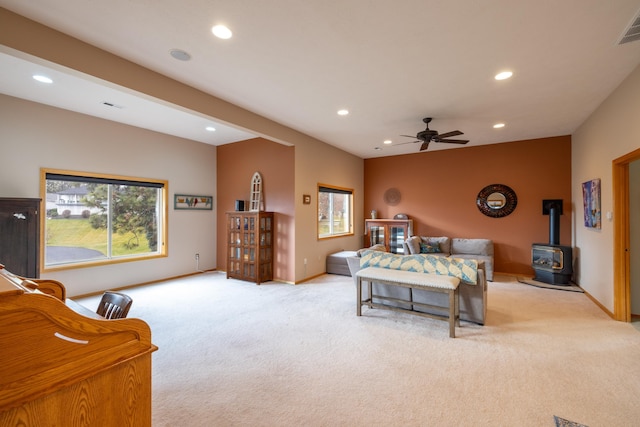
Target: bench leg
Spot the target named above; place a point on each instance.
(452, 313)
(457, 297)
(359, 296)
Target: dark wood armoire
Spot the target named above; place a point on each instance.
(20, 236)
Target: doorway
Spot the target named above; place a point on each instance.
(622, 236)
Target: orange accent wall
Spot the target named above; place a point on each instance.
(439, 189)
(236, 164)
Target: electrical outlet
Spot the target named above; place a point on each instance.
(197, 257)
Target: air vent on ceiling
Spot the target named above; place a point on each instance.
(632, 32)
(109, 104)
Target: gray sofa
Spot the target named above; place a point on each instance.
(473, 297)
(480, 249)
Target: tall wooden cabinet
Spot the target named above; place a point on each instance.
(20, 236)
(250, 237)
(61, 368)
(388, 232)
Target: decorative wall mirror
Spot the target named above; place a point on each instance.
(496, 200)
(255, 204)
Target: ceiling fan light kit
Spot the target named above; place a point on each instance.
(427, 136)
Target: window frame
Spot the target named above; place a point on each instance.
(335, 190)
(163, 209)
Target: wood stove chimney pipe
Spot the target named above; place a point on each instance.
(553, 208)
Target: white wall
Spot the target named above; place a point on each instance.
(33, 136)
(612, 131)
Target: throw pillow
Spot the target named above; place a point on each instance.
(413, 243)
(377, 247)
(430, 248)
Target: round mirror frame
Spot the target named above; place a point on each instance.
(511, 200)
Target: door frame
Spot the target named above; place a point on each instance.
(621, 241)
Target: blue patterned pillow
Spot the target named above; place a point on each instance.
(430, 248)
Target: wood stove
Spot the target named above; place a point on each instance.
(552, 262)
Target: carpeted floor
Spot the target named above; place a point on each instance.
(232, 353)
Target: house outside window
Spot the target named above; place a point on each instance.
(335, 211)
(100, 219)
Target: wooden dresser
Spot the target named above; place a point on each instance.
(59, 367)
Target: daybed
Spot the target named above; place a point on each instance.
(473, 296)
(337, 263)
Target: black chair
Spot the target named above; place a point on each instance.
(114, 305)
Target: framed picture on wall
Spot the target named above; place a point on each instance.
(591, 202)
(190, 202)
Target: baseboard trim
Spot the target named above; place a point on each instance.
(135, 285)
(309, 278)
(602, 307)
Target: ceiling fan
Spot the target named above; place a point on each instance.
(428, 135)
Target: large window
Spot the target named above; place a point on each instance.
(95, 219)
(335, 211)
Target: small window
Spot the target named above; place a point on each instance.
(335, 211)
(99, 219)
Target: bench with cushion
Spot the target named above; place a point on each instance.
(473, 293)
(410, 280)
(480, 249)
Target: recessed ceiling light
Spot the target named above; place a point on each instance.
(503, 75)
(210, 128)
(179, 54)
(42, 79)
(388, 141)
(221, 32)
(343, 112)
(498, 125)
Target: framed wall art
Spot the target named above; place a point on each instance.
(191, 202)
(591, 202)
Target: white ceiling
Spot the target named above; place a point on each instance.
(85, 94)
(390, 63)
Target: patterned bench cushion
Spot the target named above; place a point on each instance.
(464, 269)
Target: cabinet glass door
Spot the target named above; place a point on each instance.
(377, 235)
(396, 238)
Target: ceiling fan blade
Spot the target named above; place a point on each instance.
(424, 145)
(402, 143)
(452, 133)
(409, 136)
(454, 141)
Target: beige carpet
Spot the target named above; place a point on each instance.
(235, 354)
